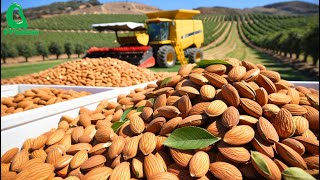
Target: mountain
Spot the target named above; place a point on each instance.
(287, 8)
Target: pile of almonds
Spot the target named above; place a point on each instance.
(250, 108)
(107, 72)
(37, 97)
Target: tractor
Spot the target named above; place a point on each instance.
(164, 38)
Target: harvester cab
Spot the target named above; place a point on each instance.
(166, 36)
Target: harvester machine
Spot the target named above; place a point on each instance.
(164, 38)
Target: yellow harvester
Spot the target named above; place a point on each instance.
(166, 36)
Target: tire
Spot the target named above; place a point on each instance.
(166, 56)
(195, 55)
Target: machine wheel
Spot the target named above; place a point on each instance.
(166, 56)
(195, 55)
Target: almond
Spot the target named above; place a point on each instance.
(272, 75)
(116, 147)
(239, 135)
(136, 124)
(160, 101)
(92, 162)
(171, 100)
(104, 134)
(181, 157)
(216, 68)
(311, 145)
(38, 171)
(312, 116)
(39, 142)
(163, 176)
(146, 114)
(251, 107)
(270, 110)
(223, 170)
(282, 166)
(152, 165)
(266, 83)
(9, 155)
(301, 124)
(216, 80)
(193, 120)
(272, 167)
(207, 92)
(188, 90)
(284, 124)
(279, 99)
(230, 117)
(29, 163)
(267, 131)
(294, 144)
(78, 147)
(262, 146)
(185, 70)
(261, 96)
(216, 108)
(122, 171)
(217, 129)
(312, 161)
(168, 111)
(199, 164)
(251, 75)
(290, 156)
(137, 166)
(63, 161)
(236, 73)
(244, 89)
(41, 154)
(170, 125)
(247, 120)
(55, 137)
(98, 173)
(199, 108)
(230, 95)
(198, 79)
(76, 133)
(19, 159)
(147, 143)
(294, 94)
(78, 159)
(248, 65)
(233, 153)
(131, 148)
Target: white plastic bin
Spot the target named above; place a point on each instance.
(16, 128)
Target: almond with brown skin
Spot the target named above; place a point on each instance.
(214, 79)
(116, 147)
(199, 164)
(230, 117)
(131, 148)
(78, 159)
(294, 94)
(290, 156)
(122, 171)
(184, 105)
(216, 68)
(39, 142)
(137, 166)
(251, 75)
(282, 166)
(19, 159)
(29, 163)
(279, 99)
(267, 131)
(295, 109)
(55, 137)
(233, 153)
(98, 173)
(239, 135)
(272, 75)
(236, 73)
(155, 125)
(244, 89)
(247, 120)
(262, 146)
(136, 124)
(311, 145)
(207, 92)
(312, 161)
(223, 170)
(181, 157)
(216, 108)
(193, 120)
(163, 176)
(284, 124)
(199, 108)
(104, 134)
(146, 114)
(270, 110)
(168, 111)
(63, 161)
(198, 79)
(185, 70)
(38, 171)
(309, 134)
(217, 129)
(312, 116)
(266, 83)
(152, 165)
(230, 95)
(78, 147)
(147, 143)
(170, 125)
(41, 154)
(251, 107)
(160, 101)
(9, 155)
(261, 96)
(248, 65)
(295, 145)
(92, 162)
(76, 133)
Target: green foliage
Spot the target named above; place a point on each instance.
(41, 49)
(24, 50)
(68, 49)
(55, 48)
(7, 52)
(79, 49)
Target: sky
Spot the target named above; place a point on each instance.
(163, 4)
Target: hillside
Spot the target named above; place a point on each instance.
(287, 8)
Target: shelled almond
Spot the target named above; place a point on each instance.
(275, 130)
(37, 97)
(108, 72)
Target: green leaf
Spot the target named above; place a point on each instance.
(187, 138)
(295, 173)
(258, 159)
(205, 63)
(117, 125)
(139, 109)
(124, 114)
(165, 81)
